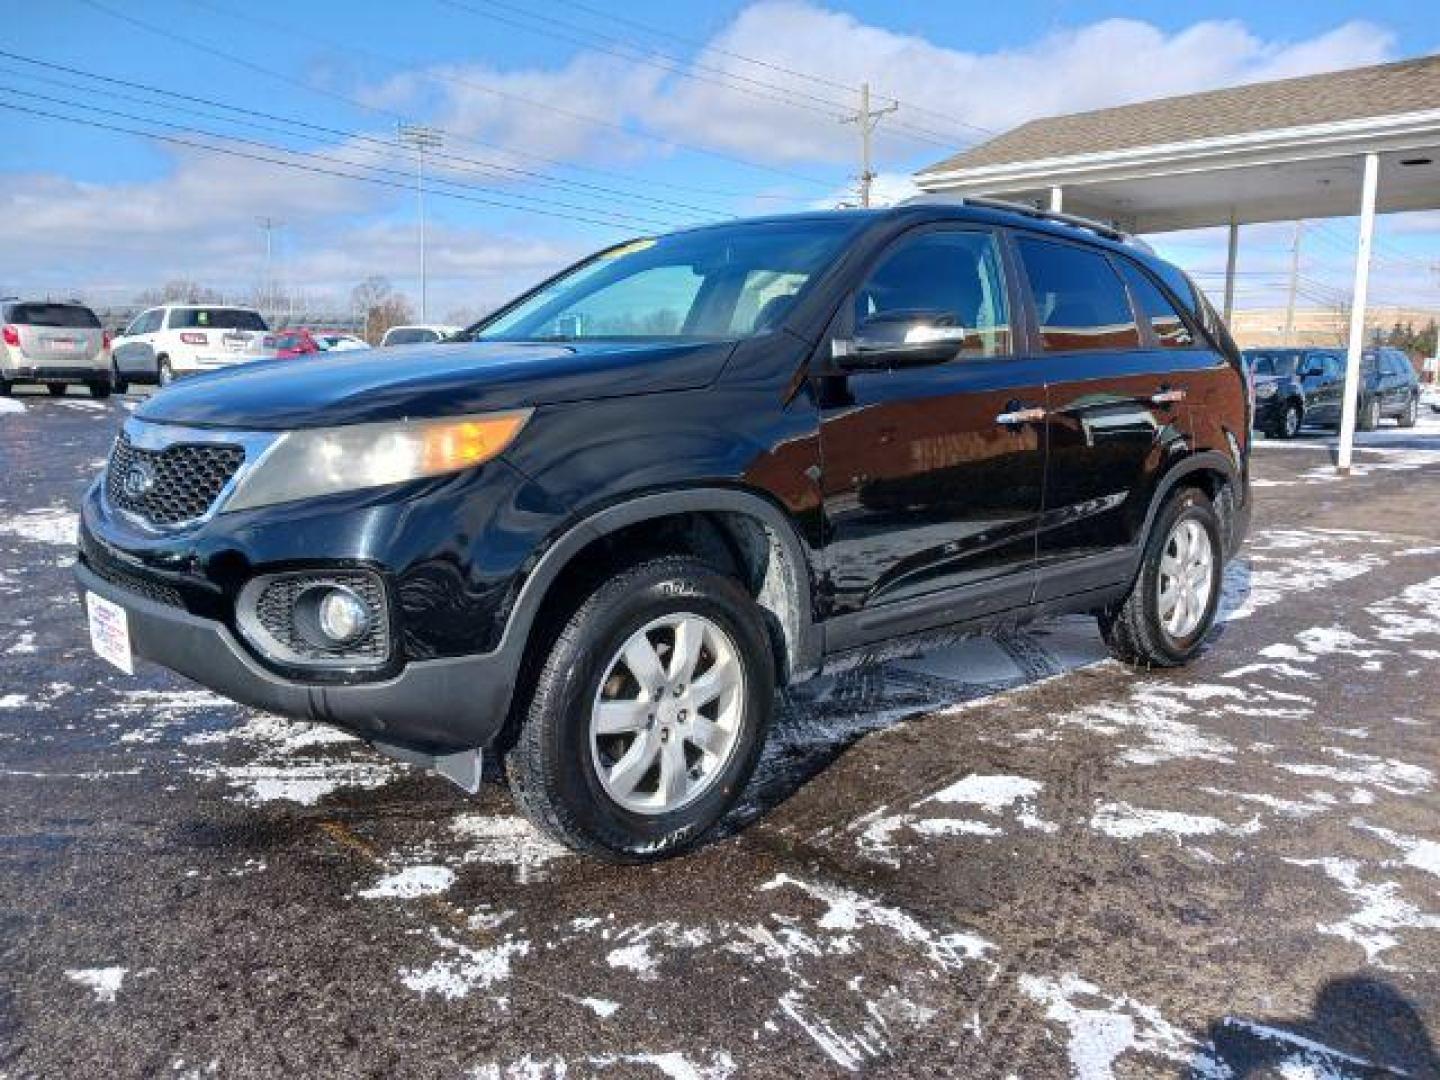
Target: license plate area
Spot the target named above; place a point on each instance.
(109, 632)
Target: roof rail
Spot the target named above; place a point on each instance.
(1109, 232)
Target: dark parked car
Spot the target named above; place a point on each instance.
(596, 534)
(1294, 387)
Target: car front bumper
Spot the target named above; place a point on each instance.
(432, 706)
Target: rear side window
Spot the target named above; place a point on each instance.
(216, 319)
(410, 337)
(944, 273)
(68, 316)
(1170, 329)
(1080, 302)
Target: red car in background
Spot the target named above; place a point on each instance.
(289, 344)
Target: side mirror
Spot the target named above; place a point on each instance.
(895, 339)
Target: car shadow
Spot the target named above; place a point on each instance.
(1360, 1027)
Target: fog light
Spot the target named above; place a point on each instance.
(343, 616)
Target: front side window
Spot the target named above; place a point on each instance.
(1170, 329)
(1080, 302)
(952, 278)
(723, 282)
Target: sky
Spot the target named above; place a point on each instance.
(147, 142)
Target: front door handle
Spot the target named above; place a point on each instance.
(1167, 396)
(1031, 415)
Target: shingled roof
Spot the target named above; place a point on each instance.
(1359, 93)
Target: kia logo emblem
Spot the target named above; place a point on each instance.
(138, 481)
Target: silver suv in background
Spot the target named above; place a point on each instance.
(417, 335)
(53, 342)
(163, 343)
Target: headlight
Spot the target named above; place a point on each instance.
(1265, 389)
(323, 461)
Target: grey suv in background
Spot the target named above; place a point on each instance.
(55, 343)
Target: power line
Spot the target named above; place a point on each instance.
(768, 64)
(478, 166)
(319, 170)
(508, 95)
(758, 88)
(616, 217)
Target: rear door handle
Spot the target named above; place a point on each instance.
(1021, 416)
(1167, 396)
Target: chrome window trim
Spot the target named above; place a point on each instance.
(156, 437)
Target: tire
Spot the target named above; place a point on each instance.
(118, 382)
(1137, 631)
(1411, 415)
(57, 389)
(1369, 418)
(164, 373)
(100, 390)
(1288, 425)
(565, 778)
(5, 387)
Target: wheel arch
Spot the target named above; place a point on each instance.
(1214, 474)
(740, 530)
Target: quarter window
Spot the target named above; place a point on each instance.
(1080, 302)
(951, 274)
(1170, 329)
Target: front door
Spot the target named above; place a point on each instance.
(928, 488)
(1116, 408)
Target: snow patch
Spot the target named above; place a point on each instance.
(103, 982)
(53, 525)
(412, 882)
(466, 970)
(1126, 822)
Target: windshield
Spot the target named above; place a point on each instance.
(725, 282)
(68, 316)
(1282, 364)
(216, 319)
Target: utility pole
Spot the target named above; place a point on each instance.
(1294, 283)
(422, 138)
(867, 118)
(269, 224)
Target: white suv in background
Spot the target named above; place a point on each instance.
(166, 342)
(417, 335)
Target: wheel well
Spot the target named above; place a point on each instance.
(735, 543)
(1218, 487)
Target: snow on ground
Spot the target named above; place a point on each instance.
(103, 982)
(11, 406)
(54, 525)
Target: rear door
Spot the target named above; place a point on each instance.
(931, 498)
(1116, 404)
(58, 335)
(1324, 390)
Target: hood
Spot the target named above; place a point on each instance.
(432, 380)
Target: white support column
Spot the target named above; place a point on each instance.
(1357, 314)
(1232, 250)
(1057, 199)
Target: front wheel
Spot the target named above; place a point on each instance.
(57, 389)
(648, 715)
(1411, 416)
(1288, 425)
(1172, 605)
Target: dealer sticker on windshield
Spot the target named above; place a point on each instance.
(109, 632)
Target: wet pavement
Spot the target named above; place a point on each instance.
(1010, 857)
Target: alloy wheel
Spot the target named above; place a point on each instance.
(668, 714)
(1187, 571)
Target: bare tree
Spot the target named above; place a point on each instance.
(382, 307)
(180, 291)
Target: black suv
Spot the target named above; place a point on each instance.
(595, 534)
(1294, 387)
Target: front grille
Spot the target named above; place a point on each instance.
(180, 482)
(275, 609)
(106, 567)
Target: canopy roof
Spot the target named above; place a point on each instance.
(1275, 151)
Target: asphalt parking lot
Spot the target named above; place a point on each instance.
(1011, 857)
